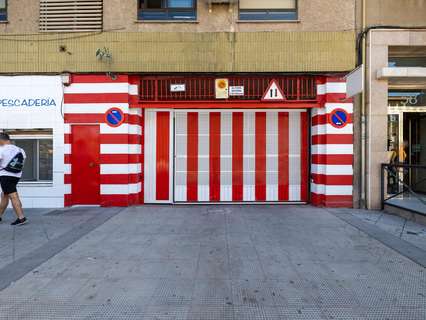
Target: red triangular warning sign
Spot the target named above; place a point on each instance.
(274, 92)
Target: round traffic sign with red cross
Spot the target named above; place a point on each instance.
(339, 118)
(114, 117)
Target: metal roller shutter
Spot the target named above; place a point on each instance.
(236, 156)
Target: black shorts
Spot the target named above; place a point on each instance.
(8, 184)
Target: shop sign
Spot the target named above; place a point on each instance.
(178, 87)
(236, 91)
(29, 93)
(355, 82)
(30, 102)
(402, 98)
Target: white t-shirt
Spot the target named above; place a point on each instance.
(7, 153)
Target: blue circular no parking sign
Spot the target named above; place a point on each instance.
(339, 118)
(114, 117)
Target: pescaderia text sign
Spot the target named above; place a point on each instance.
(30, 92)
(31, 102)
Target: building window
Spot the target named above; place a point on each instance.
(407, 56)
(167, 10)
(3, 10)
(268, 10)
(407, 62)
(38, 146)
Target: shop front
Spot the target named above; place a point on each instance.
(31, 113)
(122, 140)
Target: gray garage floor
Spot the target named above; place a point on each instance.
(218, 262)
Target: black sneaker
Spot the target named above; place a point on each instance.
(19, 222)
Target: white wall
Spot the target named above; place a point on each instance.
(36, 195)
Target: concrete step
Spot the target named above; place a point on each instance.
(405, 212)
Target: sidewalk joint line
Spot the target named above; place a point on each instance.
(20, 267)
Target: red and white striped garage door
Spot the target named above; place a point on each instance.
(227, 156)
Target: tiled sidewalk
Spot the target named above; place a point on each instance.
(16, 242)
(407, 230)
(221, 262)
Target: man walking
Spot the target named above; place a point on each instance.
(12, 161)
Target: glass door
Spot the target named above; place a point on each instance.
(407, 145)
(415, 146)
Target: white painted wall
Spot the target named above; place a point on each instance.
(37, 195)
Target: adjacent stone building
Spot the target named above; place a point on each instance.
(394, 103)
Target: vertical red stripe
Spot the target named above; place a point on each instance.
(142, 159)
(192, 157)
(283, 150)
(237, 156)
(163, 156)
(260, 189)
(304, 156)
(214, 156)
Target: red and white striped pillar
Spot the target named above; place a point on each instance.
(86, 101)
(332, 146)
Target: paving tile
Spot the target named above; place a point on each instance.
(213, 292)
(211, 312)
(301, 313)
(256, 313)
(166, 312)
(292, 293)
(253, 293)
(246, 269)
